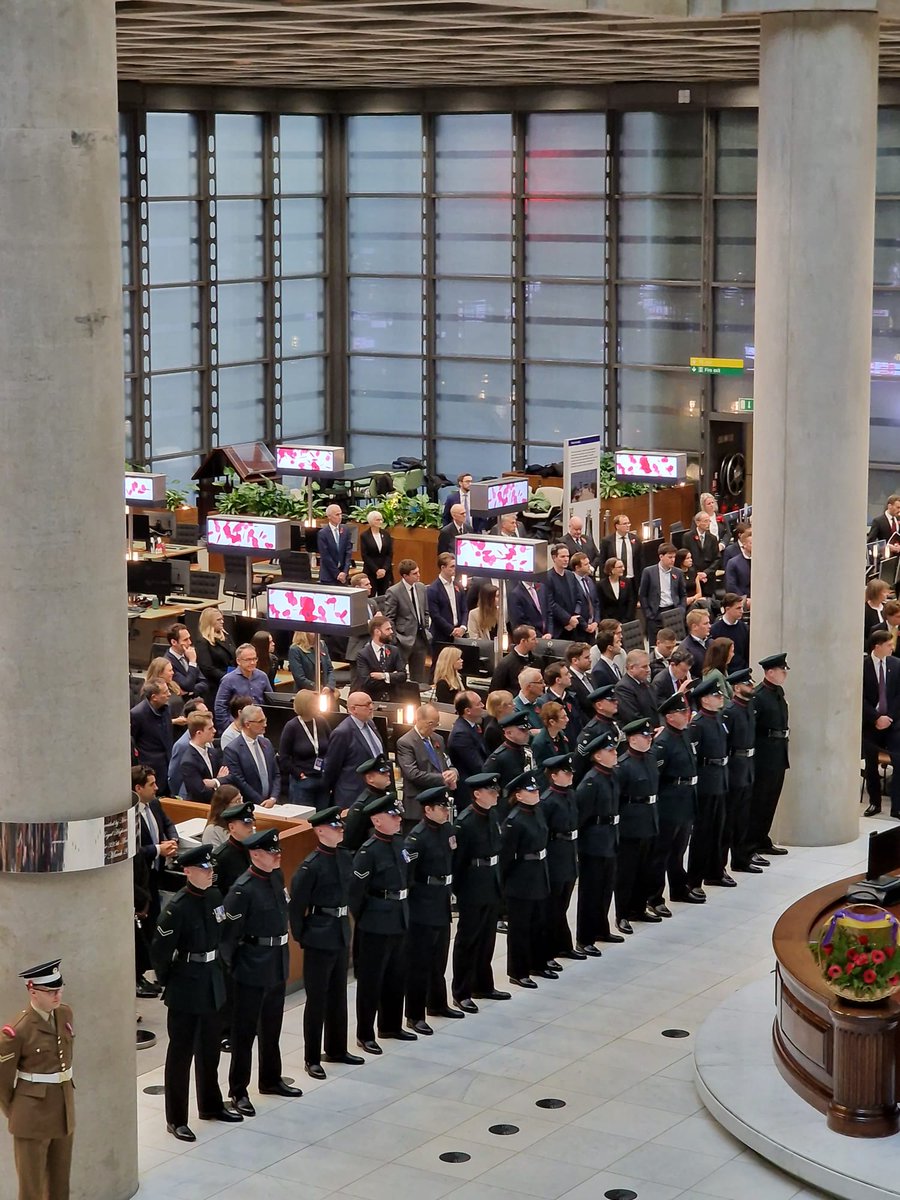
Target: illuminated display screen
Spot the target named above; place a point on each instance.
(233, 533)
(143, 488)
(499, 555)
(511, 491)
(306, 459)
(329, 609)
(650, 466)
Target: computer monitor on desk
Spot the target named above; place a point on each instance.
(149, 578)
(140, 527)
(181, 577)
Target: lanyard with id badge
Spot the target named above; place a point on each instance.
(313, 734)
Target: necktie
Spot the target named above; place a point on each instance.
(451, 596)
(587, 595)
(382, 658)
(415, 605)
(261, 767)
(372, 738)
(465, 501)
(532, 592)
(882, 690)
(432, 753)
(337, 535)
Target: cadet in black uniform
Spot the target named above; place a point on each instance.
(377, 777)
(706, 858)
(676, 806)
(186, 959)
(638, 825)
(429, 850)
(512, 756)
(320, 896)
(771, 758)
(378, 902)
(560, 810)
(597, 797)
(739, 715)
(526, 885)
(255, 949)
(476, 885)
(605, 705)
(231, 859)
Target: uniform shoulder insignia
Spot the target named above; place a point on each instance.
(164, 932)
(232, 916)
(69, 1030)
(361, 874)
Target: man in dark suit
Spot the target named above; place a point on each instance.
(251, 760)
(626, 546)
(731, 625)
(669, 680)
(887, 524)
(563, 595)
(465, 745)
(353, 742)
(159, 837)
(447, 607)
(705, 553)
(183, 657)
(581, 543)
(151, 730)
(460, 497)
(578, 660)
(506, 673)
(697, 639)
(335, 548)
(737, 569)
(662, 589)
(527, 604)
(633, 690)
(423, 762)
(455, 527)
(406, 603)
(580, 565)
(379, 665)
(880, 710)
(376, 548)
(374, 604)
(202, 772)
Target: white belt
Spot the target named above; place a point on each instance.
(493, 860)
(403, 893)
(650, 800)
(693, 779)
(616, 819)
(55, 1077)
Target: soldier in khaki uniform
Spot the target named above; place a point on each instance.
(36, 1090)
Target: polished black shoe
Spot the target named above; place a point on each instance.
(370, 1047)
(524, 982)
(453, 1013)
(183, 1132)
(576, 955)
(281, 1089)
(777, 849)
(749, 869)
(553, 965)
(243, 1106)
(873, 810)
(661, 910)
(468, 1006)
(494, 995)
(591, 951)
(624, 925)
(547, 974)
(224, 1114)
(349, 1060)
(725, 881)
(648, 916)
(757, 860)
(421, 1027)
(145, 990)
(398, 1035)
(315, 1071)
(612, 938)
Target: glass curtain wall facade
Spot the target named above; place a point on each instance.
(467, 287)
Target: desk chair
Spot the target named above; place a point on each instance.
(295, 567)
(550, 651)
(674, 620)
(205, 585)
(186, 533)
(235, 584)
(158, 650)
(632, 636)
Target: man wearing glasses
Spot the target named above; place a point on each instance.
(353, 742)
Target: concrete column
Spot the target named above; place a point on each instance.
(814, 250)
(64, 723)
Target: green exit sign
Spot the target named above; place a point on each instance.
(745, 404)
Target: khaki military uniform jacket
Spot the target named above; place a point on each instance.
(35, 1046)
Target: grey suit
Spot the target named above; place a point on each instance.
(410, 634)
(418, 769)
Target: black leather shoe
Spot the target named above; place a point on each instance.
(421, 1027)
(750, 869)
(872, 811)
(243, 1106)
(624, 925)
(576, 955)
(183, 1132)
(145, 990)
(757, 860)
(281, 1089)
(525, 982)
(468, 1006)
(553, 965)
(494, 995)
(661, 910)
(778, 849)
(315, 1071)
(398, 1035)
(547, 974)
(610, 937)
(453, 1013)
(591, 951)
(371, 1047)
(725, 881)
(648, 916)
(350, 1060)
(225, 1114)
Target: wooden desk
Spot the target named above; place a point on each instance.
(842, 1058)
(168, 551)
(297, 841)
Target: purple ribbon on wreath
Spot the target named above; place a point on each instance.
(864, 918)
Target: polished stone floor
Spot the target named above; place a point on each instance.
(632, 1121)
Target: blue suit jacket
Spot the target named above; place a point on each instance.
(333, 559)
(649, 591)
(737, 574)
(244, 773)
(347, 749)
(521, 610)
(479, 524)
(564, 601)
(439, 610)
(190, 680)
(467, 752)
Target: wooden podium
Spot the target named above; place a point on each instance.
(297, 841)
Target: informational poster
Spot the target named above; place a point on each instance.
(581, 480)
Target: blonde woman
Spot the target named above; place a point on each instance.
(161, 669)
(447, 681)
(498, 705)
(302, 663)
(215, 649)
(301, 752)
(482, 623)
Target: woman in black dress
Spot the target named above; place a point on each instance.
(376, 547)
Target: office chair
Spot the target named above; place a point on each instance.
(158, 650)
(205, 585)
(235, 584)
(632, 636)
(295, 567)
(552, 650)
(674, 620)
(186, 533)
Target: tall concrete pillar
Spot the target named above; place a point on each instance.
(64, 753)
(814, 251)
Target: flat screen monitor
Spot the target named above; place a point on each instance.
(140, 527)
(309, 460)
(884, 853)
(651, 466)
(149, 578)
(487, 554)
(888, 570)
(181, 577)
(491, 497)
(317, 608)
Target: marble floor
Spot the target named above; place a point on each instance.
(631, 1123)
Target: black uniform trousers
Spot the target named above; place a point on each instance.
(526, 937)
(559, 935)
(633, 876)
(256, 1013)
(706, 858)
(380, 982)
(667, 860)
(767, 787)
(427, 951)
(193, 1037)
(737, 816)
(596, 884)
(473, 950)
(325, 980)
